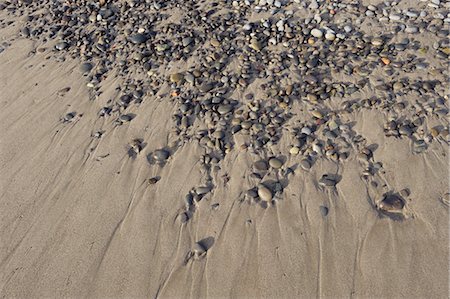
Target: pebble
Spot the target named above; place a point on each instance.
(138, 38)
(391, 203)
(161, 155)
(261, 165)
(275, 163)
(86, 67)
(317, 33)
(323, 211)
(305, 164)
(264, 193)
(327, 181)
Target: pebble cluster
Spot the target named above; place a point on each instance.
(247, 68)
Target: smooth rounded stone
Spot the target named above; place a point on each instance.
(153, 180)
(330, 36)
(189, 78)
(294, 150)
(275, 163)
(69, 116)
(317, 114)
(203, 190)
(86, 67)
(125, 118)
(176, 77)
(317, 33)
(161, 155)
(218, 134)
(198, 250)
(61, 46)
(305, 164)
(323, 211)
(138, 38)
(327, 181)
(224, 109)
(183, 217)
(264, 193)
(377, 42)
(391, 203)
(256, 44)
(405, 130)
(261, 165)
(206, 86)
(187, 41)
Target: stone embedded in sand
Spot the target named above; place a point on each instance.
(391, 203)
(264, 193)
(256, 44)
(323, 211)
(317, 33)
(305, 164)
(327, 181)
(224, 109)
(275, 163)
(69, 116)
(124, 118)
(202, 190)
(161, 155)
(261, 165)
(206, 86)
(86, 67)
(176, 77)
(198, 250)
(153, 180)
(138, 38)
(61, 46)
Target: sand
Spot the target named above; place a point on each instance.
(79, 220)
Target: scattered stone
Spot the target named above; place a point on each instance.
(264, 193)
(275, 163)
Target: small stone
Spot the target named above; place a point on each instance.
(434, 132)
(124, 118)
(61, 46)
(186, 41)
(161, 155)
(198, 250)
(264, 193)
(330, 36)
(305, 164)
(176, 77)
(391, 203)
(224, 109)
(261, 165)
(205, 87)
(86, 67)
(377, 42)
(153, 180)
(275, 163)
(323, 211)
(202, 190)
(385, 60)
(327, 181)
(255, 44)
(294, 150)
(138, 38)
(317, 114)
(317, 33)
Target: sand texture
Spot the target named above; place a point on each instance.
(106, 207)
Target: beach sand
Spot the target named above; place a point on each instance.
(79, 218)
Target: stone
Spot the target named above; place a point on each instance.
(317, 33)
(161, 155)
(264, 193)
(275, 163)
